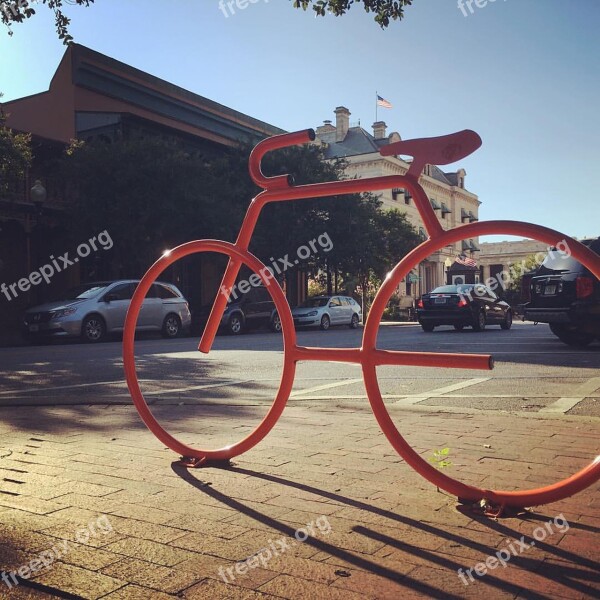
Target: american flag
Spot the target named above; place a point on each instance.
(383, 102)
(463, 259)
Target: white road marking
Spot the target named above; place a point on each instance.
(414, 398)
(122, 383)
(63, 387)
(197, 387)
(563, 405)
(327, 386)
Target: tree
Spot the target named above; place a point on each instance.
(17, 11)
(151, 194)
(377, 239)
(15, 156)
(384, 9)
(154, 194)
(513, 293)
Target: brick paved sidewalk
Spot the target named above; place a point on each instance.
(322, 508)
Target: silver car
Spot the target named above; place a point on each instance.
(325, 311)
(93, 310)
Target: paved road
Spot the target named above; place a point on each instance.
(534, 372)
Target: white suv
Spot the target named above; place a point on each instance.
(93, 310)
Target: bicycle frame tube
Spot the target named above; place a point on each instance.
(280, 189)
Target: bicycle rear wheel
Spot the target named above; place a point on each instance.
(289, 340)
(551, 493)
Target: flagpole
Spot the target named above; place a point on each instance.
(375, 106)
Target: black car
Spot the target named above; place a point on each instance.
(566, 295)
(467, 305)
(251, 310)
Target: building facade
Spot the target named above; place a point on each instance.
(500, 257)
(94, 97)
(451, 201)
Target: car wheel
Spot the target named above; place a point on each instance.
(276, 323)
(427, 327)
(354, 321)
(507, 323)
(325, 322)
(235, 325)
(171, 326)
(479, 321)
(459, 327)
(93, 329)
(571, 337)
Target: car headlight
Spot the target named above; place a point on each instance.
(312, 313)
(64, 312)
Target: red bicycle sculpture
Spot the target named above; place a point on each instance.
(438, 151)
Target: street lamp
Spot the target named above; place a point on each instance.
(448, 263)
(37, 195)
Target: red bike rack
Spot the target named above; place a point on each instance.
(440, 150)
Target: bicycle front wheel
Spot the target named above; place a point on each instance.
(583, 478)
(213, 410)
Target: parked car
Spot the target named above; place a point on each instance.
(252, 310)
(566, 295)
(325, 311)
(94, 310)
(467, 305)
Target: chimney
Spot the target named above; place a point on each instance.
(342, 123)
(326, 132)
(379, 130)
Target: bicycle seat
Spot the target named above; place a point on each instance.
(441, 150)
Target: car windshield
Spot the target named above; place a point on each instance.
(84, 291)
(315, 302)
(453, 289)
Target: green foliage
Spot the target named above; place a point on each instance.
(151, 194)
(384, 10)
(519, 269)
(154, 194)
(15, 155)
(17, 11)
(440, 458)
(374, 241)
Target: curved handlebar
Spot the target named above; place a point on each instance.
(274, 143)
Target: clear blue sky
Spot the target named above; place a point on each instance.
(524, 74)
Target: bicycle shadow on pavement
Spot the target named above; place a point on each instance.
(435, 559)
